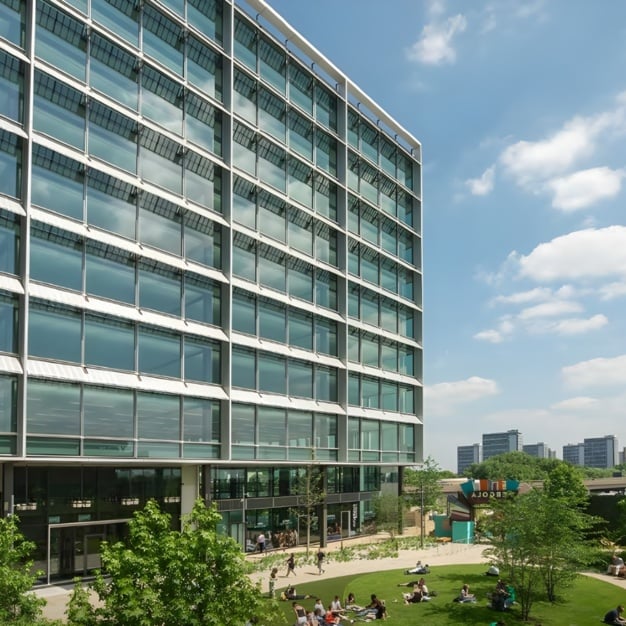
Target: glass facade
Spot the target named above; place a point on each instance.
(229, 282)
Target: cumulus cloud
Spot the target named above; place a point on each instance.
(583, 188)
(589, 253)
(600, 372)
(613, 290)
(579, 326)
(579, 403)
(538, 294)
(550, 309)
(484, 184)
(445, 398)
(434, 47)
(491, 336)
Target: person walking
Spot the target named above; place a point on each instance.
(291, 565)
(273, 576)
(320, 561)
(260, 542)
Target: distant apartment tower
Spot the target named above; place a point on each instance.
(499, 443)
(574, 453)
(540, 450)
(466, 456)
(601, 451)
(621, 456)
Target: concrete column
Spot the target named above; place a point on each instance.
(189, 488)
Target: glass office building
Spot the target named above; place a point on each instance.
(210, 273)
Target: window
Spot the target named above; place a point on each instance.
(244, 257)
(272, 64)
(272, 323)
(111, 204)
(300, 231)
(272, 269)
(243, 369)
(8, 402)
(202, 181)
(202, 300)
(201, 419)
(203, 123)
(56, 257)
(161, 99)
(325, 384)
(202, 240)
(112, 137)
(244, 312)
(301, 87)
(54, 332)
(204, 67)
(12, 21)
(245, 43)
(159, 288)
(52, 408)
(11, 86)
(271, 115)
(8, 327)
(160, 161)
(119, 17)
(160, 224)
(159, 352)
(326, 336)
(113, 71)
(158, 416)
(272, 374)
(109, 343)
(110, 273)
(108, 412)
(162, 39)
(202, 360)
(300, 329)
(300, 379)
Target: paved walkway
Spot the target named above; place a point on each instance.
(447, 554)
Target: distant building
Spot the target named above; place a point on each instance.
(540, 450)
(499, 443)
(466, 456)
(601, 451)
(621, 456)
(574, 453)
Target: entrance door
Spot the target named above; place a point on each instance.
(91, 552)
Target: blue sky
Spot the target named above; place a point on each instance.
(521, 111)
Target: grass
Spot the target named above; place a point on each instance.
(584, 603)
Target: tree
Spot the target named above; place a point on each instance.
(514, 466)
(18, 605)
(388, 509)
(165, 577)
(309, 488)
(541, 540)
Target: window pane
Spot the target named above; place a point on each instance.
(244, 317)
(202, 300)
(243, 368)
(160, 161)
(204, 68)
(389, 393)
(326, 431)
(119, 17)
(369, 390)
(158, 416)
(8, 402)
(159, 224)
(300, 330)
(244, 258)
(8, 327)
(53, 408)
(272, 376)
(272, 64)
(162, 39)
(159, 288)
(159, 352)
(12, 19)
(272, 212)
(54, 333)
(161, 99)
(272, 321)
(326, 336)
(243, 423)
(110, 273)
(300, 379)
(10, 164)
(300, 429)
(109, 343)
(300, 277)
(272, 427)
(108, 412)
(111, 204)
(202, 239)
(112, 137)
(207, 17)
(201, 420)
(9, 242)
(56, 257)
(203, 123)
(11, 86)
(326, 384)
(202, 360)
(272, 269)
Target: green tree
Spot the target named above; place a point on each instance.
(388, 509)
(165, 577)
(514, 466)
(542, 539)
(309, 487)
(422, 487)
(18, 605)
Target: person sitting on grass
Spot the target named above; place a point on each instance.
(614, 616)
(465, 595)
(418, 569)
(375, 609)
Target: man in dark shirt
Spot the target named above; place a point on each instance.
(614, 616)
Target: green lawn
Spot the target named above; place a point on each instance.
(584, 603)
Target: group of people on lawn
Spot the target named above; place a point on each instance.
(336, 613)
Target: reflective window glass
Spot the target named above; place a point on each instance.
(300, 428)
(353, 346)
(325, 197)
(405, 208)
(245, 42)
(201, 420)
(300, 182)
(9, 242)
(369, 350)
(244, 202)
(109, 343)
(122, 18)
(272, 64)
(57, 183)
(271, 164)
(389, 315)
(160, 224)
(300, 231)
(12, 21)
(110, 272)
(326, 152)
(244, 257)
(325, 430)
(160, 163)
(54, 333)
(370, 436)
(202, 300)
(159, 352)
(162, 39)
(389, 356)
(244, 96)
(300, 327)
(60, 40)
(59, 111)
(108, 412)
(158, 416)
(272, 114)
(244, 313)
(406, 322)
(112, 137)
(8, 402)
(407, 399)
(354, 390)
(243, 421)
(326, 244)
(369, 308)
(325, 107)
(300, 379)
(272, 374)
(56, 257)
(8, 328)
(111, 204)
(369, 393)
(207, 16)
(161, 99)
(326, 336)
(301, 87)
(202, 360)
(200, 178)
(272, 324)
(326, 289)
(52, 408)
(406, 357)
(300, 280)
(113, 71)
(272, 269)
(243, 368)
(202, 239)
(203, 124)
(272, 426)
(301, 135)
(244, 152)
(325, 384)
(159, 288)
(272, 212)
(11, 86)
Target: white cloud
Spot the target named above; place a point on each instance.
(483, 185)
(532, 295)
(579, 326)
(600, 372)
(492, 336)
(589, 253)
(610, 291)
(580, 189)
(579, 403)
(446, 398)
(434, 47)
(550, 309)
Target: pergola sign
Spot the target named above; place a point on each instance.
(481, 490)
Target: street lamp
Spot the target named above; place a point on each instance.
(422, 523)
(244, 505)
